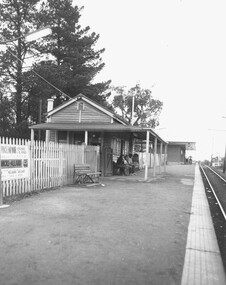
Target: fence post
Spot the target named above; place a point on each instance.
(1, 190)
(61, 163)
(31, 150)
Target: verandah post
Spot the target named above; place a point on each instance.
(147, 153)
(155, 151)
(165, 156)
(160, 159)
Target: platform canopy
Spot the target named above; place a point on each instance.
(187, 145)
(138, 132)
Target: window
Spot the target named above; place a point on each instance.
(79, 138)
(62, 137)
(126, 147)
(116, 146)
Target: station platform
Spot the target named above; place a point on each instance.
(203, 264)
(126, 231)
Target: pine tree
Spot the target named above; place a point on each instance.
(66, 59)
(71, 50)
(16, 20)
(6, 114)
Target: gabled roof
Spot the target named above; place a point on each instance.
(91, 102)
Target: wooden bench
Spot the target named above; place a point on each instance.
(83, 174)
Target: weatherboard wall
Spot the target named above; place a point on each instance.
(74, 114)
(176, 154)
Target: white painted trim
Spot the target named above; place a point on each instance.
(86, 137)
(50, 113)
(47, 136)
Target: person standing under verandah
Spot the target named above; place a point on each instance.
(129, 159)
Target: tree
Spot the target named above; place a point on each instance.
(71, 51)
(16, 18)
(146, 108)
(6, 114)
(66, 60)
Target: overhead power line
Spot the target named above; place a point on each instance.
(37, 74)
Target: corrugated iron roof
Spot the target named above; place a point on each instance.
(180, 142)
(106, 127)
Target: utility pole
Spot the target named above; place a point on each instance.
(224, 164)
(40, 118)
(132, 113)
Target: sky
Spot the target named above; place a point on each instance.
(177, 49)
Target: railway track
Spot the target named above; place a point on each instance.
(215, 187)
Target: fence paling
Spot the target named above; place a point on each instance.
(50, 165)
(11, 187)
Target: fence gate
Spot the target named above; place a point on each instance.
(92, 157)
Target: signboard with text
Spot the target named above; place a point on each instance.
(14, 162)
(190, 146)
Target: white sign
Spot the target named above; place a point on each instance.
(14, 162)
(191, 146)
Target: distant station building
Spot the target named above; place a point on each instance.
(177, 152)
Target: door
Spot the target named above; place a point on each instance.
(107, 162)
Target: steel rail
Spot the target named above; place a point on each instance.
(216, 173)
(215, 195)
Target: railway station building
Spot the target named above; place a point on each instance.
(81, 120)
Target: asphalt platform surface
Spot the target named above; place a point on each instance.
(125, 231)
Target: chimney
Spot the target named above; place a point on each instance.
(50, 104)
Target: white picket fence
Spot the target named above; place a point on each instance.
(150, 158)
(50, 165)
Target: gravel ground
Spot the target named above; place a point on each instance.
(127, 232)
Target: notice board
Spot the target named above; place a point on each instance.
(14, 161)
